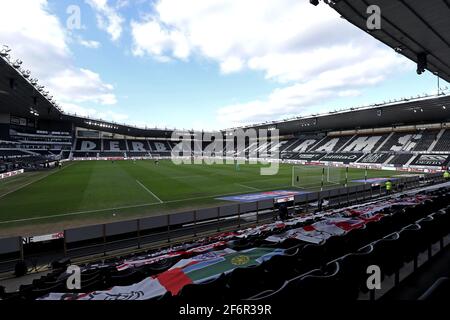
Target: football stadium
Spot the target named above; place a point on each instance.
(351, 203)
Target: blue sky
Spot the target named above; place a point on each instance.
(203, 64)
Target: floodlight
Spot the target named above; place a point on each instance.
(5, 51)
(17, 63)
(26, 73)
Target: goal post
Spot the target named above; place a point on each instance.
(304, 177)
(334, 175)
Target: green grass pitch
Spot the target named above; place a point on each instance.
(99, 191)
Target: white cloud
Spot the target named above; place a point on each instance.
(108, 18)
(37, 37)
(151, 38)
(231, 64)
(95, 114)
(31, 30)
(349, 93)
(310, 51)
(305, 98)
(82, 85)
(89, 43)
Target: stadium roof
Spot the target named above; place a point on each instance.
(419, 111)
(411, 27)
(18, 96)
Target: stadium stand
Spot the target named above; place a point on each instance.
(330, 144)
(397, 142)
(390, 148)
(87, 145)
(121, 147)
(364, 143)
(425, 141)
(113, 145)
(302, 144)
(377, 158)
(42, 142)
(443, 144)
(439, 291)
(139, 146)
(436, 160)
(400, 159)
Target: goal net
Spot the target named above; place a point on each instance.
(305, 177)
(334, 175)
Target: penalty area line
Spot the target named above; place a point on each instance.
(247, 187)
(146, 189)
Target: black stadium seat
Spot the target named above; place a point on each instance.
(353, 270)
(335, 246)
(244, 282)
(387, 255)
(443, 222)
(429, 227)
(279, 295)
(400, 219)
(2, 292)
(410, 238)
(324, 285)
(282, 267)
(439, 291)
(312, 256)
(156, 267)
(38, 292)
(124, 279)
(356, 239)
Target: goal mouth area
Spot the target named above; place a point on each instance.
(307, 177)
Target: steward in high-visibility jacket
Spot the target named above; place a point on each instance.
(446, 175)
(388, 186)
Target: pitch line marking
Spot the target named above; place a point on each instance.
(125, 207)
(31, 182)
(248, 187)
(269, 179)
(146, 189)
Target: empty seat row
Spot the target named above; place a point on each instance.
(346, 276)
